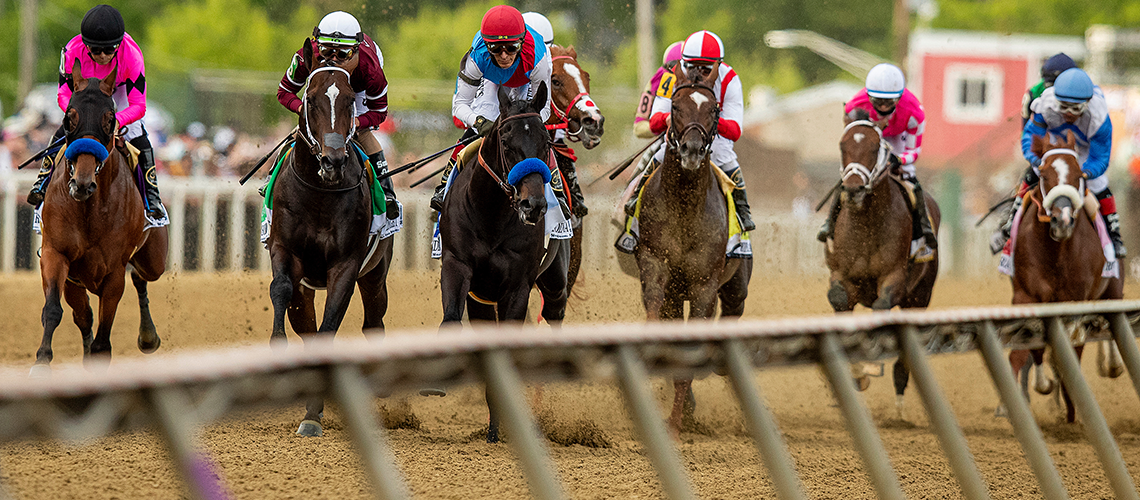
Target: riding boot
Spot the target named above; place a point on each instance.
(828, 229)
(740, 199)
(576, 197)
(154, 208)
(631, 204)
(919, 212)
(436, 202)
(1002, 234)
(36, 195)
(1112, 221)
(380, 166)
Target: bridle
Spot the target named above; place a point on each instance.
(507, 188)
(564, 116)
(315, 146)
(1063, 189)
(110, 148)
(868, 175)
(673, 137)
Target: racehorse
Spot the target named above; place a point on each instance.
(322, 212)
(684, 229)
(869, 254)
(93, 226)
(492, 226)
(572, 110)
(1057, 254)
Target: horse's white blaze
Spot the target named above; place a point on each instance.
(858, 137)
(572, 70)
(333, 92)
(1062, 168)
(699, 98)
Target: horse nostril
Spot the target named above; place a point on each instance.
(588, 121)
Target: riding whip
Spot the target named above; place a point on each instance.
(629, 161)
(42, 153)
(427, 159)
(995, 208)
(828, 195)
(266, 157)
(429, 176)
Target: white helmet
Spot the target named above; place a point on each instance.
(541, 24)
(338, 28)
(703, 46)
(885, 81)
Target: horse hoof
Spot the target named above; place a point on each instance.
(310, 428)
(1115, 372)
(862, 383)
(837, 297)
(278, 343)
(433, 391)
(40, 371)
(150, 347)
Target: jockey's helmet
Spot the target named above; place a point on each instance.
(1056, 65)
(102, 26)
(1073, 85)
(885, 81)
(541, 24)
(502, 23)
(703, 47)
(673, 53)
(338, 28)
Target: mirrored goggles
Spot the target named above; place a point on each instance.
(698, 68)
(1072, 108)
(509, 47)
(110, 49)
(337, 53)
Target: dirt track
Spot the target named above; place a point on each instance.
(260, 457)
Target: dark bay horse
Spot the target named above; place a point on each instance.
(1057, 254)
(684, 228)
(93, 226)
(572, 110)
(493, 224)
(322, 212)
(869, 255)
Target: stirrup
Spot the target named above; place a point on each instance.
(824, 233)
(997, 241)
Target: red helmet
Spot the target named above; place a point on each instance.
(502, 23)
(703, 46)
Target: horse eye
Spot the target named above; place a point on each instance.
(556, 83)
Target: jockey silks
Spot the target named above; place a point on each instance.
(1093, 131)
(904, 127)
(730, 97)
(476, 87)
(367, 80)
(130, 80)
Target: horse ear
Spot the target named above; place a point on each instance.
(77, 81)
(540, 96)
(1039, 143)
(571, 52)
(307, 54)
(504, 101)
(1070, 139)
(856, 115)
(351, 64)
(107, 86)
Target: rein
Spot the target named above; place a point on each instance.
(861, 170)
(565, 116)
(297, 175)
(506, 187)
(672, 138)
(314, 145)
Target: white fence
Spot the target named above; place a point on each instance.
(215, 224)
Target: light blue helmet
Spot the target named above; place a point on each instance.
(1073, 85)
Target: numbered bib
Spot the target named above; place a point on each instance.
(665, 89)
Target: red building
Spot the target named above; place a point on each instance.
(971, 86)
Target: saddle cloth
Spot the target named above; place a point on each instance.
(1092, 209)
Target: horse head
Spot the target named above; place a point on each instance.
(521, 136)
(693, 121)
(327, 120)
(570, 98)
(1062, 183)
(864, 156)
(90, 126)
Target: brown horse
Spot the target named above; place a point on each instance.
(572, 110)
(93, 220)
(322, 212)
(1057, 254)
(869, 254)
(684, 229)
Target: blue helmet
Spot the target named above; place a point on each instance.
(1056, 65)
(1073, 85)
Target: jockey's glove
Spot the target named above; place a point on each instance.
(893, 162)
(482, 125)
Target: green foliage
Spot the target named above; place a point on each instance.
(430, 45)
(1057, 17)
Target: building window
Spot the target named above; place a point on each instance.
(973, 93)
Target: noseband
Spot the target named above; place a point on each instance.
(673, 137)
(1063, 188)
(507, 187)
(869, 176)
(315, 146)
(574, 135)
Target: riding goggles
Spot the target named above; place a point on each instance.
(509, 48)
(695, 68)
(110, 49)
(1072, 108)
(886, 104)
(337, 53)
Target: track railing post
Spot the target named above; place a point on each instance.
(506, 390)
(174, 415)
(1096, 428)
(647, 420)
(1126, 342)
(761, 423)
(351, 393)
(941, 416)
(859, 422)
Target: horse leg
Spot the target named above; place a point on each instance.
(340, 287)
(148, 334)
(888, 290)
(454, 283)
(901, 377)
(109, 295)
(81, 313)
(1042, 384)
(282, 292)
(1070, 410)
(841, 294)
(654, 281)
(554, 285)
(374, 292)
(704, 307)
(575, 265)
(53, 275)
(733, 293)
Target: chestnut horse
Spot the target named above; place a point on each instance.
(1057, 254)
(869, 254)
(93, 226)
(322, 212)
(492, 226)
(573, 110)
(683, 224)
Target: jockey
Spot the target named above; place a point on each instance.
(1052, 68)
(504, 52)
(339, 41)
(101, 46)
(1074, 104)
(886, 97)
(669, 59)
(703, 55)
